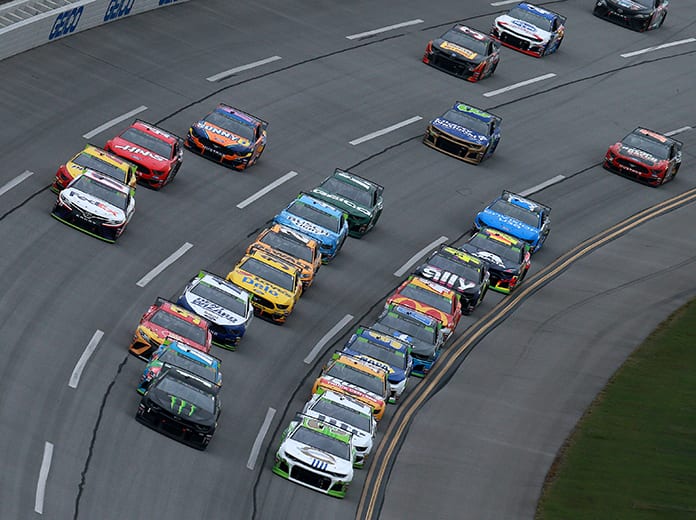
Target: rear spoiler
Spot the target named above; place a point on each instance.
(160, 129)
(265, 123)
(379, 187)
(507, 194)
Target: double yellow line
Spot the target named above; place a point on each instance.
(384, 456)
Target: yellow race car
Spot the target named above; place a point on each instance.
(274, 285)
(93, 158)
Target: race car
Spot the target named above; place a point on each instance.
(274, 285)
(348, 375)
(639, 15)
(646, 156)
(459, 271)
(430, 298)
(227, 308)
(349, 415)
(463, 52)
(158, 154)
(317, 455)
(323, 222)
(518, 216)
(165, 319)
(464, 132)
(530, 29)
(384, 351)
(228, 136)
(422, 332)
(182, 406)
(98, 160)
(358, 197)
(174, 353)
(508, 258)
(291, 246)
(96, 204)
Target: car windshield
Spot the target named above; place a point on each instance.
(654, 148)
(645, 3)
(149, 142)
(101, 191)
(231, 124)
(460, 269)
(350, 374)
(467, 121)
(183, 328)
(428, 297)
(177, 388)
(288, 245)
(315, 215)
(480, 241)
(95, 163)
(516, 212)
(387, 355)
(269, 273)
(466, 41)
(349, 191)
(322, 442)
(223, 299)
(344, 414)
(410, 328)
(535, 19)
(172, 357)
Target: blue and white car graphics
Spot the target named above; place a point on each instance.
(530, 29)
(227, 307)
(518, 216)
(321, 221)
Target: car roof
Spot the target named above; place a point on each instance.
(653, 135)
(461, 256)
(319, 204)
(381, 338)
(155, 131)
(273, 261)
(408, 313)
(431, 286)
(222, 284)
(346, 359)
(191, 352)
(344, 400)
(107, 180)
(475, 112)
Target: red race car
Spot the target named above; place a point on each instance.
(157, 153)
(646, 156)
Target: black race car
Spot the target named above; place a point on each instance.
(639, 15)
(358, 197)
(181, 405)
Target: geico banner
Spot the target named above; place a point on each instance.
(52, 25)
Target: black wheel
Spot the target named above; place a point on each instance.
(495, 66)
(662, 20)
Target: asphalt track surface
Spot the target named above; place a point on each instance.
(480, 447)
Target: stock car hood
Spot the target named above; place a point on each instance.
(315, 231)
(138, 155)
(457, 51)
(316, 458)
(341, 386)
(256, 285)
(213, 312)
(509, 225)
(222, 137)
(459, 131)
(163, 333)
(639, 155)
(395, 374)
(92, 205)
(420, 347)
(628, 5)
(494, 261)
(523, 28)
(361, 438)
(349, 206)
(181, 408)
(451, 280)
(442, 317)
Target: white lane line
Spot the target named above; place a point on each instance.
(404, 268)
(385, 130)
(14, 182)
(163, 265)
(545, 184)
(326, 337)
(241, 68)
(43, 477)
(504, 2)
(256, 448)
(265, 190)
(114, 121)
(518, 85)
(384, 29)
(658, 47)
(678, 131)
(80, 366)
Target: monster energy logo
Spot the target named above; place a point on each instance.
(173, 400)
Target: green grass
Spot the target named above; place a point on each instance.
(633, 454)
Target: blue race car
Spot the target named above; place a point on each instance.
(180, 355)
(518, 216)
(227, 307)
(386, 352)
(321, 221)
(464, 132)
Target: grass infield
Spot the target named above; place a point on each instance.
(633, 454)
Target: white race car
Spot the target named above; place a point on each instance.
(530, 29)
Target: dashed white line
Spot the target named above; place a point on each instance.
(43, 477)
(114, 122)
(518, 85)
(545, 184)
(256, 448)
(241, 68)
(678, 131)
(14, 182)
(326, 337)
(411, 261)
(385, 130)
(80, 366)
(384, 29)
(164, 264)
(504, 2)
(658, 47)
(265, 190)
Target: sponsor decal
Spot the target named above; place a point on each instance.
(306, 225)
(525, 26)
(95, 202)
(472, 33)
(214, 308)
(233, 138)
(636, 152)
(447, 279)
(355, 180)
(626, 4)
(383, 338)
(117, 9)
(320, 459)
(461, 107)
(66, 23)
(260, 285)
(449, 46)
(490, 257)
(140, 151)
(345, 201)
(178, 405)
(465, 132)
(331, 383)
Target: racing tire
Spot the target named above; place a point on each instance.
(657, 27)
(495, 66)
